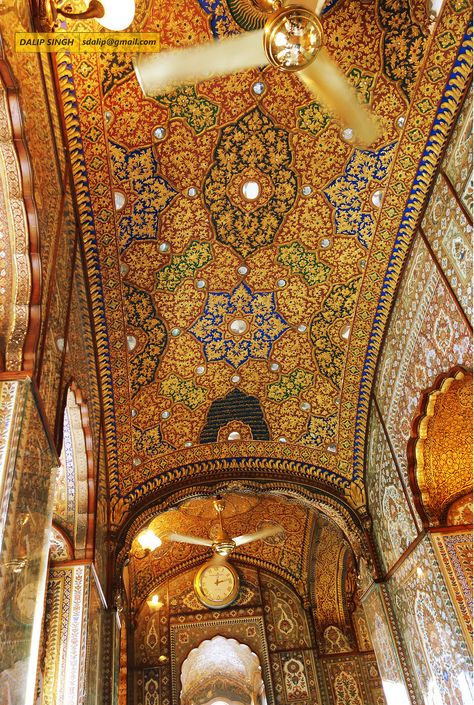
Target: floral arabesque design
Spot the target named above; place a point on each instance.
(238, 326)
(349, 194)
(252, 143)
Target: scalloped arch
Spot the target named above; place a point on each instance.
(441, 451)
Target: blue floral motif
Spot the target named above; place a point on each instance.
(346, 192)
(152, 193)
(219, 19)
(238, 326)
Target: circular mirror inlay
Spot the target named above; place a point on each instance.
(400, 121)
(258, 88)
(347, 134)
(251, 190)
(159, 133)
(119, 200)
(345, 331)
(238, 326)
(234, 436)
(377, 197)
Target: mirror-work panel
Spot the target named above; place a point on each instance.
(27, 466)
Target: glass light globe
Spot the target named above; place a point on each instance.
(118, 14)
(148, 539)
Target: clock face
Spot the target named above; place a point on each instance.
(216, 585)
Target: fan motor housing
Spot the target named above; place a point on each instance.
(224, 547)
(292, 38)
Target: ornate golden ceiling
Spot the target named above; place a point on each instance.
(238, 328)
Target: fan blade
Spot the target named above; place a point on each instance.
(262, 534)
(319, 7)
(182, 538)
(326, 81)
(158, 73)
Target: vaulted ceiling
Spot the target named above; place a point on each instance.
(235, 331)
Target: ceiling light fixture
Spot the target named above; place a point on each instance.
(154, 602)
(115, 15)
(148, 540)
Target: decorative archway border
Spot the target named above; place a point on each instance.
(23, 324)
(88, 506)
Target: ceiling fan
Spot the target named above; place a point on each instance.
(292, 42)
(223, 545)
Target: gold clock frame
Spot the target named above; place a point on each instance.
(216, 604)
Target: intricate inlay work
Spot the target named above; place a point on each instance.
(267, 148)
(238, 326)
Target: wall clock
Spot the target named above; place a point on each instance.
(216, 584)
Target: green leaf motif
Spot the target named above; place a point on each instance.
(182, 267)
(363, 82)
(313, 118)
(183, 391)
(290, 385)
(304, 262)
(199, 113)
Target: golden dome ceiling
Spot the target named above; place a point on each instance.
(236, 246)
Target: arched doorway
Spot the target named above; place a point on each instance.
(222, 671)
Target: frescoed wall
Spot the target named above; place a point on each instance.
(419, 454)
(394, 525)
(384, 637)
(270, 618)
(437, 652)
(63, 667)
